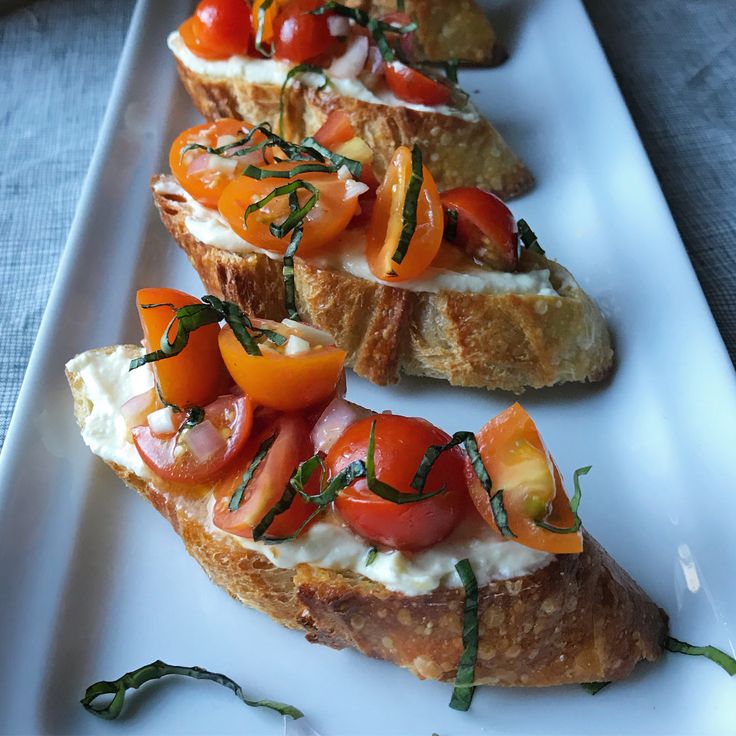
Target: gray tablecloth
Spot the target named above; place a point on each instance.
(673, 60)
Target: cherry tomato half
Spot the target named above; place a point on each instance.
(387, 221)
(323, 223)
(203, 175)
(486, 228)
(518, 462)
(291, 446)
(269, 15)
(218, 29)
(283, 382)
(335, 130)
(411, 85)
(400, 444)
(197, 375)
(298, 35)
(169, 457)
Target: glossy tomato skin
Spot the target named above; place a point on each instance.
(230, 414)
(298, 35)
(335, 130)
(400, 445)
(218, 29)
(486, 228)
(291, 446)
(197, 375)
(411, 85)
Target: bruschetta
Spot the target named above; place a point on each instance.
(406, 278)
(460, 558)
(307, 58)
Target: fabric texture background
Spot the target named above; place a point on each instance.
(673, 61)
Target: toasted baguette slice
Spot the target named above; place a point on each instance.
(505, 341)
(581, 618)
(461, 152)
(447, 30)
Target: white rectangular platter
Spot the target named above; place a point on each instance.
(93, 583)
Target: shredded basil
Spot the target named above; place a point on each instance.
(370, 557)
(171, 406)
(451, 70)
(354, 167)
(195, 416)
(294, 72)
(528, 238)
(287, 271)
(237, 497)
(499, 514)
(450, 224)
(462, 695)
(259, 27)
(723, 660)
(411, 203)
(157, 670)
(254, 172)
(296, 216)
(574, 505)
(593, 687)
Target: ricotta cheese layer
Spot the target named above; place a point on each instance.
(273, 71)
(348, 255)
(109, 384)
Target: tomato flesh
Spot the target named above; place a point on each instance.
(197, 375)
(290, 447)
(387, 219)
(486, 228)
(400, 444)
(518, 462)
(218, 29)
(169, 458)
(411, 85)
(299, 35)
(283, 382)
(335, 130)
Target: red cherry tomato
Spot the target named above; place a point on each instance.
(291, 446)
(218, 29)
(411, 85)
(298, 35)
(400, 446)
(486, 228)
(335, 130)
(404, 41)
(169, 457)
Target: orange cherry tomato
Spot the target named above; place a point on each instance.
(323, 223)
(486, 228)
(335, 130)
(519, 463)
(218, 29)
(169, 457)
(291, 446)
(387, 221)
(269, 15)
(400, 444)
(197, 375)
(203, 175)
(298, 35)
(283, 382)
(411, 85)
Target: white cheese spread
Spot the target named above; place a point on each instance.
(109, 384)
(272, 71)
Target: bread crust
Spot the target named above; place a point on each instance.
(579, 619)
(504, 341)
(459, 152)
(448, 30)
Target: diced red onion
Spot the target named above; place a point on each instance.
(335, 419)
(339, 25)
(203, 440)
(373, 68)
(313, 335)
(136, 409)
(351, 63)
(354, 189)
(199, 163)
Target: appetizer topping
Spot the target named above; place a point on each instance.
(483, 226)
(405, 231)
(218, 29)
(412, 85)
(298, 34)
(462, 694)
(528, 238)
(334, 421)
(157, 670)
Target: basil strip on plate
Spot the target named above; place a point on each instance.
(593, 687)
(157, 670)
(528, 238)
(723, 660)
(411, 202)
(237, 497)
(574, 505)
(462, 695)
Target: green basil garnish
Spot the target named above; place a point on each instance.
(451, 70)
(528, 238)
(254, 172)
(462, 695)
(574, 505)
(237, 497)
(370, 558)
(593, 687)
(450, 224)
(499, 514)
(259, 28)
(287, 271)
(195, 416)
(353, 166)
(296, 216)
(723, 660)
(294, 72)
(411, 202)
(157, 670)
